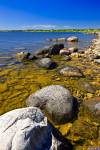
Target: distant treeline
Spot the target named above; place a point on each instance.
(54, 30)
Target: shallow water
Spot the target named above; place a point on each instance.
(13, 42)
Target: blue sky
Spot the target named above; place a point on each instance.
(46, 14)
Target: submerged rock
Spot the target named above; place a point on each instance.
(58, 40)
(87, 87)
(25, 129)
(55, 100)
(72, 39)
(46, 63)
(70, 71)
(93, 105)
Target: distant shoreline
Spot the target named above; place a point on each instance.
(53, 30)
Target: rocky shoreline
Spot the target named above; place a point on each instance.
(61, 82)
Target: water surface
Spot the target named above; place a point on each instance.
(13, 42)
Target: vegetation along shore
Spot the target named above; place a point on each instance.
(61, 82)
(53, 30)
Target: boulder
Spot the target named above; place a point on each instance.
(56, 101)
(25, 129)
(50, 50)
(70, 71)
(55, 49)
(46, 63)
(22, 56)
(72, 39)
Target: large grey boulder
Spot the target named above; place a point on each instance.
(25, 129)
(55, 100)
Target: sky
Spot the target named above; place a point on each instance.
(49, 14)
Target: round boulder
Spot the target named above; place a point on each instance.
(25, 129)
(56, 101)
(71, 71)
(72, 39)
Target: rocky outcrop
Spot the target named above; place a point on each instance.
(25, 129)
(70, 71)
(46, 63)
(55, 100)
(72, 39)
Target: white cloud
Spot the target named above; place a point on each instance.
(46, 26)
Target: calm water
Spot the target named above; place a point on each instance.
(13, 42)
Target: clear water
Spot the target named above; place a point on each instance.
(13, 42)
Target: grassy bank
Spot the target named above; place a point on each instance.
(55, 30)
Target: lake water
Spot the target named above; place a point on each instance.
(13, 42)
